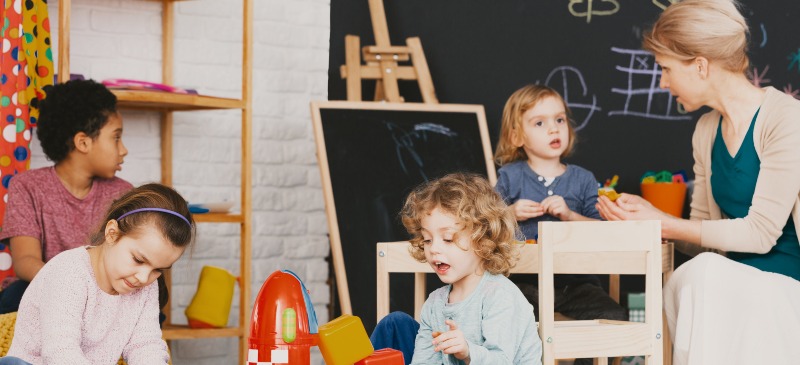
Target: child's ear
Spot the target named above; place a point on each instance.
(516, 138)
(82, 142)
(112, 231)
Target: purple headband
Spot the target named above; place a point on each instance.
(156, 210)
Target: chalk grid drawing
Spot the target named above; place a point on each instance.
(609, 7)
(643, 82)
(580, 106)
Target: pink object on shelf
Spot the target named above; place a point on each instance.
(144, 85)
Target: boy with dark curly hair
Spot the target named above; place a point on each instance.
(51, 209)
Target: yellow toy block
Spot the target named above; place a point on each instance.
(344, 341)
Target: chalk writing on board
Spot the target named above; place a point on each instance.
(760, 78)
(643, 76)
(582, 104)
(405, 142)
(662, 5)
(794, 57)
(791, 91)
(764, 38)
(609, 8)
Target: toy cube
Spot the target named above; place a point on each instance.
(343, 341)
(383, 357)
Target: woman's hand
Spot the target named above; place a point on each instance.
(629, 207)
(452, 342)
(525, 209)
(557, 207)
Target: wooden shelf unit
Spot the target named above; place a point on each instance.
(166, 104)
(177, 332)
(155, 100)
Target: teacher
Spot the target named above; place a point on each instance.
(742, 308)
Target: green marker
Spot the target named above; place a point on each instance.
(289, 326)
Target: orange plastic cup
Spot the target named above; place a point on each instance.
(668, 197)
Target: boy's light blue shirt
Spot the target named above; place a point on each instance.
(496, 319)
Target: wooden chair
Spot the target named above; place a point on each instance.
(631, 248)
(394, 257)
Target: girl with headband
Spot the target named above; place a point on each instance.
(91, 304)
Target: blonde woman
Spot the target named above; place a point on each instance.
(743, 308)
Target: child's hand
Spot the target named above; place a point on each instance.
(525, 209)
(452, 342)
(557, 207)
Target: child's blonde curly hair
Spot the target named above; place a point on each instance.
(472, 201)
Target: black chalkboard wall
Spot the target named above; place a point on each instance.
(376, 154)
(480, 51)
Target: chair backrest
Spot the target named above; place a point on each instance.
(631, 247)
(394, 257)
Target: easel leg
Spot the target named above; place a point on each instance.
(423, 73)
(352, 45)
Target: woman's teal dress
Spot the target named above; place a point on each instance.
(733, 182)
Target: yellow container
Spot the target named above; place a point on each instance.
(211, 304)
(344, 341)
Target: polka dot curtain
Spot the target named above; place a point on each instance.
(27, 66)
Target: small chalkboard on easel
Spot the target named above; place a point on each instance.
(371, 155)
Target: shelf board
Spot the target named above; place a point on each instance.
(218, 217)
(176, 332)
(156, 100)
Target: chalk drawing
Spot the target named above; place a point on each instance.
(643, 76)
(788, 89)
(406, 142)
(760, 78)
(664, 6)
(610, 8)
(794, 57)
(577, 101)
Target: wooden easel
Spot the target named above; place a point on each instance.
(381, 63)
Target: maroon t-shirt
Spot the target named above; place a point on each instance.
(39, 206)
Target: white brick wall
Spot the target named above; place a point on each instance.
(122, 39)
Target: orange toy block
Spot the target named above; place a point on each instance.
(343, 341)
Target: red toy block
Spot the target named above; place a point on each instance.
(383, 357)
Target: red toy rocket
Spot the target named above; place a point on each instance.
(284, 325)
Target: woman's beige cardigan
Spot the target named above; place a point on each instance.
(776, 136)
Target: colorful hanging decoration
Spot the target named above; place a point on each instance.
(27, 66)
